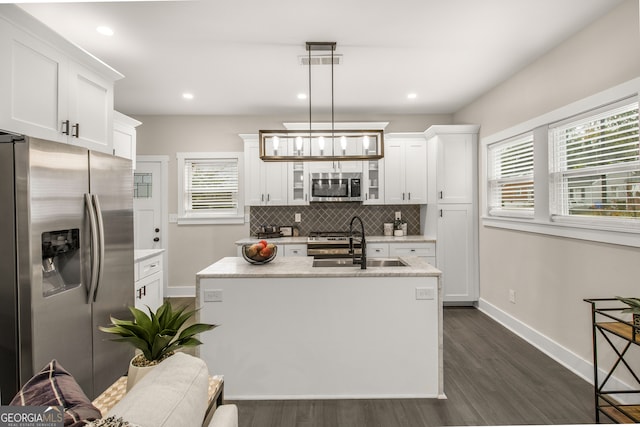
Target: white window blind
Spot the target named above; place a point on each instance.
(510, 173)
(595, 165)
(211, 187)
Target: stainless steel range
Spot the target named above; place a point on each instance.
(330, 244)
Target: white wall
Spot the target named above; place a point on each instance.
(552, 275)
(193, 247)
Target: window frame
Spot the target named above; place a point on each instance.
(583, 228)
(559, 203)
(493, 181)
(209, 217)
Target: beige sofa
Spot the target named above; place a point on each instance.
(174, 394)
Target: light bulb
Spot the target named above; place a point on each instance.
(276, 143)
(365, 142)
(343, 142)
(321, 142)
(298, 143)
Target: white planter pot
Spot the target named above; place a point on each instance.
(136, 373)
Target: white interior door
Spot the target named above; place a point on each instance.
(149, 230)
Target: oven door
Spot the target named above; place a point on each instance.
(329, 189)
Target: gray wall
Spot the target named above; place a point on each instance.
(193, 247)
(552, 275)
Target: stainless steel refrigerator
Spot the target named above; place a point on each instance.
(66, 261)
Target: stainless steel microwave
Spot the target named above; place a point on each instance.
(336, 187)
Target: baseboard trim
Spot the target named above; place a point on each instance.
(576, 364)
(231, 397)
(180, 292)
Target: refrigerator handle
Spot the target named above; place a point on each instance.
(96, 204)
(93, 228)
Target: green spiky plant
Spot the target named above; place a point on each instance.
(157, 335)
(633, 303)
(634, 308)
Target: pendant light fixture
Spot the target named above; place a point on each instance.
(321, 144)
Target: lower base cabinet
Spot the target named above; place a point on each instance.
(295, 250)
(426, 250)
(455, 254)
(149, 284)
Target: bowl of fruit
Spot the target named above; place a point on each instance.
(260, 252)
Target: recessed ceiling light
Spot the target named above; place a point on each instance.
(187, 95)
(302, 96)
(104, 30)
(412, 96)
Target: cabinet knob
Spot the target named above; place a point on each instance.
(157, 230)
(65, 127)
(440, 194)
(76, 130)
(156, 239)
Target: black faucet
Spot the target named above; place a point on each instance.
(362, 260)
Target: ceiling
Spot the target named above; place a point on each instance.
(241, 57)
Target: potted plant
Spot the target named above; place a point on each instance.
(634, 308)
(157, 336)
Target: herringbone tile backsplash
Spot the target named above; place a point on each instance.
(334, 217)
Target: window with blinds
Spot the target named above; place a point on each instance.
(510, 173)
(595, 164)
(211, 186)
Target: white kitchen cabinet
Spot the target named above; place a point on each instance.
(124, 136)
(149, 283)
(90, 109)
(405, 169)
(454, 179)
(452, 214)
(294, 250)
(298, 184)
(456, 252)
(373, 182)
(265, 182)
(51, 88)
(423, 250)
(378, 250)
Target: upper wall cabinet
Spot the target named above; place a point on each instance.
(405, 169)
(455, 154)
(51, 88)
(265, 183)
(124, 136)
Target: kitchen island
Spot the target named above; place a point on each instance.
(289, 330)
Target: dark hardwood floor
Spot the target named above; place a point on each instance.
(492, 377)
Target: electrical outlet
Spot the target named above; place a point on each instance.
(298, 217)
(213, 295)
(398, 215)
(424, 293)
(512, 296)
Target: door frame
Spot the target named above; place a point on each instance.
(164, 203)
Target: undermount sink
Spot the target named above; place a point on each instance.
(348, 262)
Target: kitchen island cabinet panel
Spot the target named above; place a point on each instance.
(292, 331)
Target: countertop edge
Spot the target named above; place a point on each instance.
(300, 267)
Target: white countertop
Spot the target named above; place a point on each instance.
(302, 267)
(370, 239)
(140, 254)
